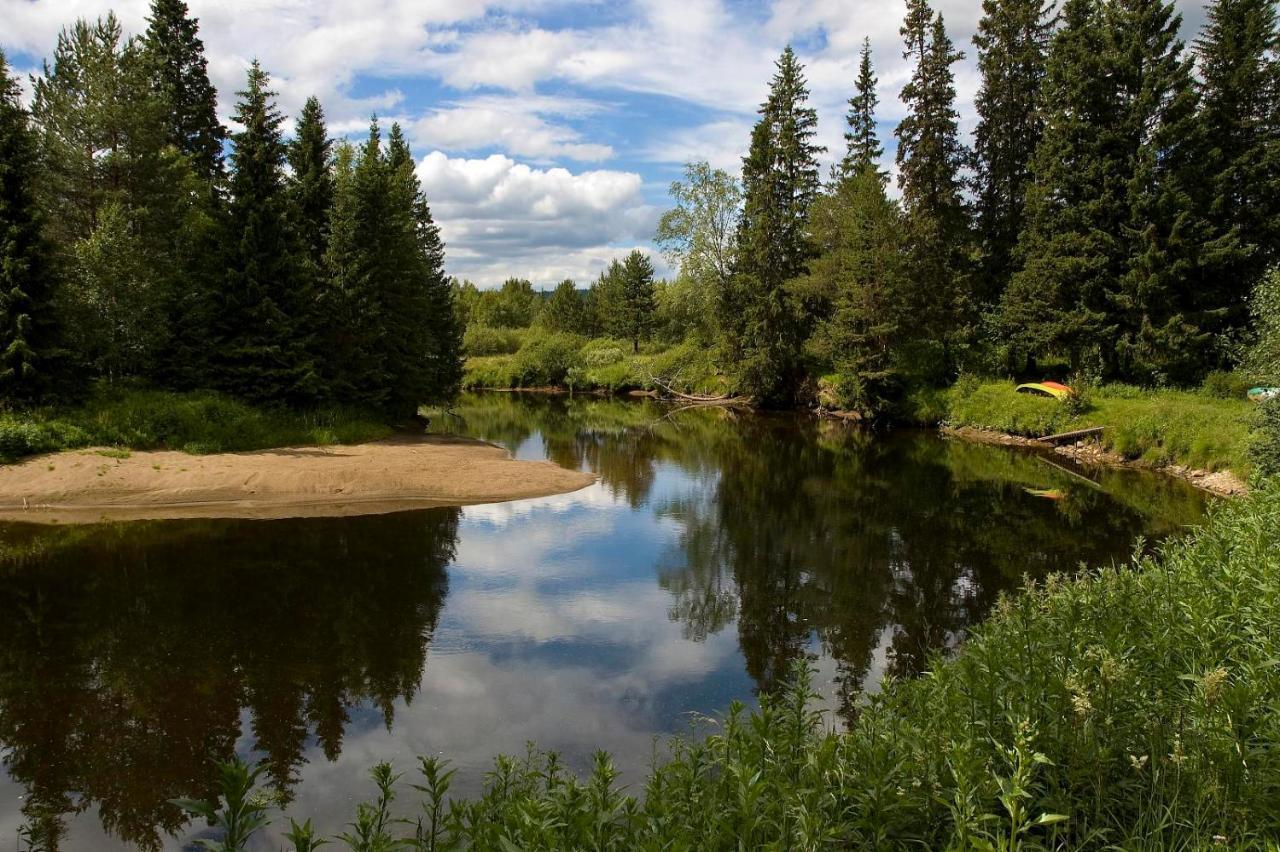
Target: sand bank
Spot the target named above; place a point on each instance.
(85, 486)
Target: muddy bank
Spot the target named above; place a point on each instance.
(84, 486)
(1223, 483)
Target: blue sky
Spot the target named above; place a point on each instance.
(547, 130)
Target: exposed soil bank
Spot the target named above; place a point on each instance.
(84, 486)
(1223, 483)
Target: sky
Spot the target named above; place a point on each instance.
(547, 131)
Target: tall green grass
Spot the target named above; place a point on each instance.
(1133, 707)
(202, 422)
(1160, 426)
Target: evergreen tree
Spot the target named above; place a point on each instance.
(564, 310)
(859, 279)
(311, 182)
(930, 157)
(605, 301)
(1239, 60)
(261, 356)
(27, 325)
(1013, 45)
(763, 333)
(1069, 251)
(175, 55)
(862, 146)
(637, 298)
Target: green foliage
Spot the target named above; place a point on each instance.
(174, 57)
(565, 310)
(1128, 708)
(546, 360)
(1264, 451)
(203, 422)
(1221, 384)
(1262, 360)
(239, 812)
(1158, 427)
(27, 319)
(635, 312)
(699, 234)
(862, 146)
(484, 340)
(762, 331)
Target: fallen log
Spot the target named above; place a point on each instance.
(1068, 437)
(699, 399)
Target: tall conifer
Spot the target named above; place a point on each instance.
(261, 354)
(180, 74)
(27, 325)
(780, 181)
(862, 146)
(1013, 45)
(311, 180)
(930, 158)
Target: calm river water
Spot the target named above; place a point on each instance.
(714, 551)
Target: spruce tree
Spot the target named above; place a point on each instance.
(637, 297)
(27, 324)
(175, 56)
(261, 355)
(1013, 45)
(930, 157)
(862, 146)
(311, 181)
(1238, 54)
(763, 332)
(1070, 254)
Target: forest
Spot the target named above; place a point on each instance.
(1113, 220)
(144, 244)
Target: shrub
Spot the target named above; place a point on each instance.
(1221, 384)
(546, 360)
(1264, 450)
(486, 340)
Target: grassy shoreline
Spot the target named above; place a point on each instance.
(199, 423)
(1130, 707)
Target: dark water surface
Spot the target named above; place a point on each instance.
(714, 551)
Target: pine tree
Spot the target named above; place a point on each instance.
(564, 310)
(1239, 60)
(763, 332)
(1013, 45)
(175, 55)
(930, 158)
(261, 356)
(637, 297)
(311, 181)
(27, 323)
(862, 146)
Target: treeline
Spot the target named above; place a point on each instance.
(298, 271)
(623, 303)
(1117, 206)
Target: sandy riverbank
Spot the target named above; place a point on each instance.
(84, 486)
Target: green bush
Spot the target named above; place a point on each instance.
(1133, 707)
(19, 437)
(1221, 384)
(546, 360)
(485, 340)
(1265, 447)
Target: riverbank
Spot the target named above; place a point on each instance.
(1129, 707)
(84, 486)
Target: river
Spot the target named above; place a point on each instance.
(715, 550)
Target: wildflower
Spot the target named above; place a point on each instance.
(1080, 702)
(1220, 839)
(1138, 763)
(1178, 757)
(1213, 682)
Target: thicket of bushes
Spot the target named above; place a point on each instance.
(1132, 707)
(604, 364)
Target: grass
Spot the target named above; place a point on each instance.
(1160, 427)
(129, 419)
(1131, 707)
(599, 364)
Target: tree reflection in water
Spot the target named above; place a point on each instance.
(131, 650)
(136, 652)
